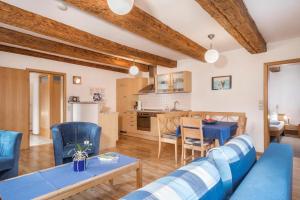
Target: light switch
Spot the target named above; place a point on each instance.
(261, 105)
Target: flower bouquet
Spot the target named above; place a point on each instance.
(80, 156)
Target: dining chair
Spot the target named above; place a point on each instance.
(192, 137)
(167, 125)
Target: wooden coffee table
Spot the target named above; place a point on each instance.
(61, 182)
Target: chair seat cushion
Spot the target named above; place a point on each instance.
(69, 150)
(6, 163)
(197, 180)
(197, 142)
(171, 135)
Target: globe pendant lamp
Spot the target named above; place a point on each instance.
(133, 70)
(120, 7)
(211, 55)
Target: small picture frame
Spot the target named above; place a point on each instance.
(221, 82)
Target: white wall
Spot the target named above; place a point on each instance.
(247, 82)
(91, 77)
(284, 87)
(34, 103)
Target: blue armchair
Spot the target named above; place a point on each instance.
(67, 135)
(10, 142)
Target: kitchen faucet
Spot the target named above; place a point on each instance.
(175, 105)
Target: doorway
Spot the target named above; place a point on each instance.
(282, 103)
(47, 104)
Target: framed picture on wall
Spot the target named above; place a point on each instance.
(221, 82)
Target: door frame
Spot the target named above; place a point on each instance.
(267, 66)
(64, 75)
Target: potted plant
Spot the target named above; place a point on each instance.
(80, 156)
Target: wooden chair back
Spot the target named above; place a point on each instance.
(191, 128)
(238, 117)
(168, 122)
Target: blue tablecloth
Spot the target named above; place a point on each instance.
(221, 131)
(42, 182)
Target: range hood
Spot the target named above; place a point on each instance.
(150, 88)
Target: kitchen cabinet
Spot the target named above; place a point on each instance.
(109, 133)
(176, 82)
(127, 88)
(131, 120)
(163, 83)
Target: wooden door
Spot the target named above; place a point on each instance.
(44, 101)
(56, 104)
(122, 90)
(14, 102)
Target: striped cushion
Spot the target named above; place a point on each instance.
(234, 160)
(197, 180)
(170, 135)
(197, 142)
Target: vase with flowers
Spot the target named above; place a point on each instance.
(80, 155)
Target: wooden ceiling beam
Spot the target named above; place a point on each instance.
(236, 20)
(59, 58)
(143, 24)
(33, 42)
(18, 17)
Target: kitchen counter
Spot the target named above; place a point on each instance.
(159, 110)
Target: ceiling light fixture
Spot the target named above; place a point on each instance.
(211, 55)
(134, 70)
(62, 5)
(120, 7)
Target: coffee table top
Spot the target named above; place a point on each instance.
(42, 182)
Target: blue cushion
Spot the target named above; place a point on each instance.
(270, 178)
(6, 163)
(197, 180)
(274, 122)
(234, 160)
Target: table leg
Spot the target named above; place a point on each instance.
(139, 176)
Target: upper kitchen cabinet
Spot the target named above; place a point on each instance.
(163, 83)
(176, 82)
(127, 88)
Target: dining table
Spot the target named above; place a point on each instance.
(219, 131)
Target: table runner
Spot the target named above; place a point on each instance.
(45, 181)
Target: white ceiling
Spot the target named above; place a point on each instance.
(276, 20)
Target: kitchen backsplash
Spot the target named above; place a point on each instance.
(162, 101)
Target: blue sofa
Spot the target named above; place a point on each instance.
(10, 142)
(228, 172)
(67, 135)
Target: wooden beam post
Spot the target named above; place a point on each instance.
(18, 17)
(236, 20)
(145, 25)
(58, 58)
(21, 39)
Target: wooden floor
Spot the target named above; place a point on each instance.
(41, 157)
